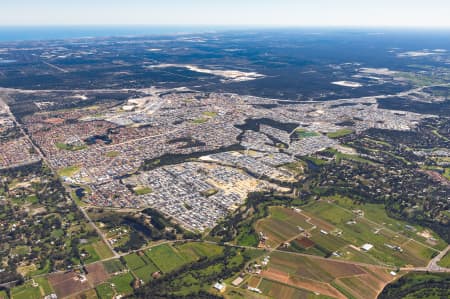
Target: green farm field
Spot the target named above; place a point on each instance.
(377, 213)
(324, 276)
(192, 251)
(275, 289)
(105, 291)
(123, 283)
(134, 261)
(145, 273)
(445, 261)
(113, 266)
(166, 258)
(281, 225)
(26, 291)
(362, 231)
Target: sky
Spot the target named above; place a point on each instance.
(360, 13)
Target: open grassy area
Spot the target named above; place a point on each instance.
(69, 171)
(377, 141)
(123, 283)
(112, 154)
(238, 293)
(445, 261)
(247, 239)
(33, 199)
(25, 270)
(355, 158)
(44, 285)
(105, 291)
(340, 133)
(57, 233)
(21, 250)
(200, 120)
(315, 160)
(192, 251)
(302, 133)
(141, 190)
(113, 266)
(102, 249)
(134, 261)
(145, 273)
(447, 173)
(296, 167)
(45, 269)
(89, 294)
(166, 258)
(210, 114)
(92, 253)
(26, 291)
(328, 212)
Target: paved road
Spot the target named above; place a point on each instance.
(433, 264)
(99, 232)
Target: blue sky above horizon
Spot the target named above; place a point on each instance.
(366, 13)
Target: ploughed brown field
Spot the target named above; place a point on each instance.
(66, 284)
(327, 277)
(96, 273)
(305, 242)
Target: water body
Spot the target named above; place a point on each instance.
(28, 33)
(54, 32)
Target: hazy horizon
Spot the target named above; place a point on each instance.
(280, 13)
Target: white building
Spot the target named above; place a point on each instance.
(367, 247)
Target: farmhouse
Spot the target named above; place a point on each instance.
(367, 247)
(220, 287)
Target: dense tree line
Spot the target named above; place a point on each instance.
(418, 285)
(170, 159)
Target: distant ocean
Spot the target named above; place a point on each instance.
(29, 33)
(25, 33)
